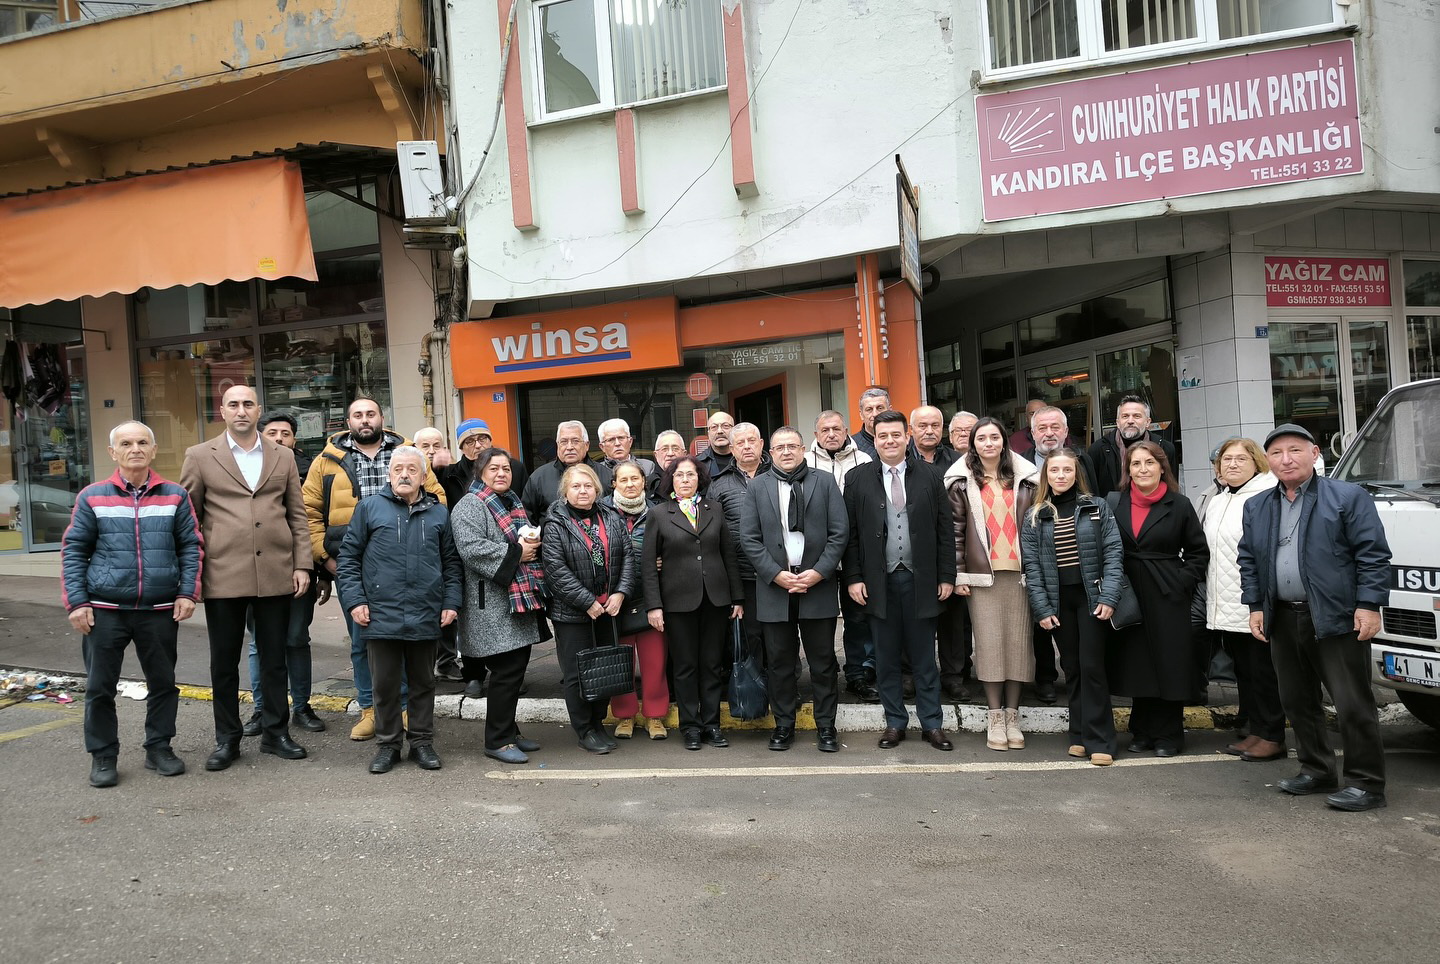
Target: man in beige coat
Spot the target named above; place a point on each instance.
(246, 494)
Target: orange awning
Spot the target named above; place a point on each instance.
(199, 226)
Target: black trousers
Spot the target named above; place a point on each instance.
(899, 636)
(1082, 640)
(507, 675)
(411, 660)
(447, 648)
(570, 638)
(1161, 721)
(782, 653)
(1342, 664)
(153, 632)
(752, 631)
(1043, 644)
(1259, 688)
(952, 638)
(697, 650)
(225, 620)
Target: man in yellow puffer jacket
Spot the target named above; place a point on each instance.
(355, 464)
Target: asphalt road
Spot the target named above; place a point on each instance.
(737, 855)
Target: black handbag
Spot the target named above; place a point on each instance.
(749, 697)
(606, 671)
(1127, 607)
(633, 618)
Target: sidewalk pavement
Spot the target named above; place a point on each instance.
(36, 639)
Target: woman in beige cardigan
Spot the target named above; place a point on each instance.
(991, 489)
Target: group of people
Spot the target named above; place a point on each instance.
(985, 555)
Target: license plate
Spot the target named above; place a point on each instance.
(1412, 669)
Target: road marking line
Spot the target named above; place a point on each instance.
(41, 728)
(877, 769)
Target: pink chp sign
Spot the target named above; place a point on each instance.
(1271, 117)
(1327, 282)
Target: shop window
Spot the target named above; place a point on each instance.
(599, 54)
(192, 309)
(314, 374)
(180, 391)
(1032, 33)
(349, 285)
(997, 344)
(1066, 385)
(1002, 398)
(1110, 314)
(338, 222)
(1147, 371)
(1422, 328)
(1305, 377)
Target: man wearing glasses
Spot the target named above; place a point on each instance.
(473, 437)
(615, 443)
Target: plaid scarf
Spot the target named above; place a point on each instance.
(526, 589)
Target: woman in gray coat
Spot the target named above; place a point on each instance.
(503, 613)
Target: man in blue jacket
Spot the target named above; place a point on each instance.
(1315, 570)
(401, 577)
(131, 562)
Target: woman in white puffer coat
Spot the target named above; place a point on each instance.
(1241, 471)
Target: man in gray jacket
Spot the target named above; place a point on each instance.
(794, 532)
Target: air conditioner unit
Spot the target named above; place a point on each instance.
(422, 183)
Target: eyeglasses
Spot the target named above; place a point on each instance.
(615, 438)
(787, 447)
(1235, 459)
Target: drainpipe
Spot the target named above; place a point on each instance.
(427, 377)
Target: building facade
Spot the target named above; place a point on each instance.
(1223, 206)
(204, 196)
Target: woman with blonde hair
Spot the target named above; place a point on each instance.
(1241, 472)
(991, 490)
(1073, 561)
(630, 500)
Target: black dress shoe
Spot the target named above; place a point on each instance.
(827, 740)
(1355, 799)
(164, 762)
(526, 746)
(425, 756)
(715, 737)
(863, 689)
(610, 741)
(891, 738)
(385, 759)
(782, 737)
(305, 718)
(1045, 692)
(474, 689)
(955, 691)
(692, 739)
(224, 755)
(252, 726)
(1141, 745)
(907, 687)
(449, 672)
(937, 739)
(1167, 751)
(283, 747)
(594, 743)
(1305, 784)
(103, 772)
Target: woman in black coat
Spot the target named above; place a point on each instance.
(589, 564)
(690, 576)
(1155, 662)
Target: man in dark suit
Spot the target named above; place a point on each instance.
(900, 566)
(793, 530)
(1315, 570)
(246, 493)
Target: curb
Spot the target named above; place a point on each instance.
(849, 718)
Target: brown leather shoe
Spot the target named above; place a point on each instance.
(1240, 747)
(891, 738)
(938, 740)
(1262, 751)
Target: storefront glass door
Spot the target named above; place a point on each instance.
(1312, 388)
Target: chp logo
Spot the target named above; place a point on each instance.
(1024, 130)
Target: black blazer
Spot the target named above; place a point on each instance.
(762, 537)
(932, 534)
(700, 561)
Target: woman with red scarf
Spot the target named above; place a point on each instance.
(1165, 559)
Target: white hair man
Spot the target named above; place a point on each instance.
(1051, 431)
(960, 425)
(927, 437)
(615, 444)
(572, 443)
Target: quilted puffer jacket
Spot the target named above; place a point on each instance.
(128, 548)
(1221, 515)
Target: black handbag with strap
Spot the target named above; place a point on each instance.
(606, 671)
(1127, 607)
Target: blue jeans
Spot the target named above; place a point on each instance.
(858, 640)
(360, 663)
(297, 652)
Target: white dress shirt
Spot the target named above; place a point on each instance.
(794, 541)
(250, 462)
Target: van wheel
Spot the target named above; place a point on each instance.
(1425, 707)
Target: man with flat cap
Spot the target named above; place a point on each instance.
(1315, 570)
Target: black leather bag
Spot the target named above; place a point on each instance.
(633, 618)
(1127, 607)
(606, 671)
(749, 698)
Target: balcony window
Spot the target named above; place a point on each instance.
(1029, 33)
(23, 16)
(602, 54)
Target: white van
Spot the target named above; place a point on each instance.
(1396, 457)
